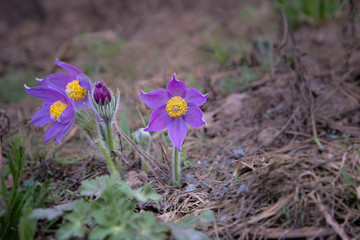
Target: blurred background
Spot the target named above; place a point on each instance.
(217, 46)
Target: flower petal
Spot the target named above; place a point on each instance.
(194, 116)
(68, 115)
(42, 117)
(177, 132)
(70, 68)
(159, 120)
(45, 93)
(194, 96)
(176, 88)
(84, 81)
(155, 98)
(64, 132)
(56, 80)
(52, 131)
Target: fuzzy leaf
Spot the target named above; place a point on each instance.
(197, 221)
(51, 213)
(69, 230)
(146, 193)
(187, 234)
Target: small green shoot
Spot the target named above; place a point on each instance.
(317, 141)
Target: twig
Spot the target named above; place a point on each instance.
(140, 151)
(283, 129)
(339, 230)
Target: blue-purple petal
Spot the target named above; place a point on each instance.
(42, 117)
(159, 120)
(84, 82)
(176, 88)
(177, 132)
(52, 131)
(68, 115)
(194, 116)
(194, 96)
(57, 80)
(64, 132)
(70, 68)
(155, 98)
(45, 93)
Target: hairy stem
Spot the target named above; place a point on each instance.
(110, 140)
(176, 170)
(108, 159)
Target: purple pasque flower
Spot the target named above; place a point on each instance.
(75, 84)
(174, 108)
(57, 109)
(101, 93)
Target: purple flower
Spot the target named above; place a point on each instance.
(75, 84)
(173, 108)
(101, 93)
(57, 109)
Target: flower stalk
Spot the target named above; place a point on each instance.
(110, 140)
(176, 168)
(108, 159)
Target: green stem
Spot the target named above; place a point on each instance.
(118, 165)
(110, 138)
(176, 170)
(108, 159)
(145, 164)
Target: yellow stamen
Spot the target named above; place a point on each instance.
(56, 109)
(176, 107)
(74, 91)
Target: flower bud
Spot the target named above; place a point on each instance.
(101, 93)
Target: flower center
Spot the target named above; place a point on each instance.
(176, 107)
(56, 109)
(74, 91)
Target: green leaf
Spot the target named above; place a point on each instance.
(317, 141)
(51, 213)
(150, 229)
(27, 226)
(193, 221)
(69, 230)
(187, 234)
(123, 122)
(113, 232)
(97, 186)
(146, 193)
(345, 176)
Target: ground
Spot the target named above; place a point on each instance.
(280, 154)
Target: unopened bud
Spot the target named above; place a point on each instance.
(102, 94)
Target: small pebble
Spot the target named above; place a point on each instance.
(190, 187)
(189, 175)
(241, 189)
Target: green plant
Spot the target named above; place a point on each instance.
(107, 212)
(308, 11)
(19, 201)
(232, 83)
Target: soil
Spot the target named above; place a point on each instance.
(281, 122)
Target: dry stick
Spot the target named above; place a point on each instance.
(283, 129)
(305, 232)
(283, 41)
(140, 151)
(339, 230)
